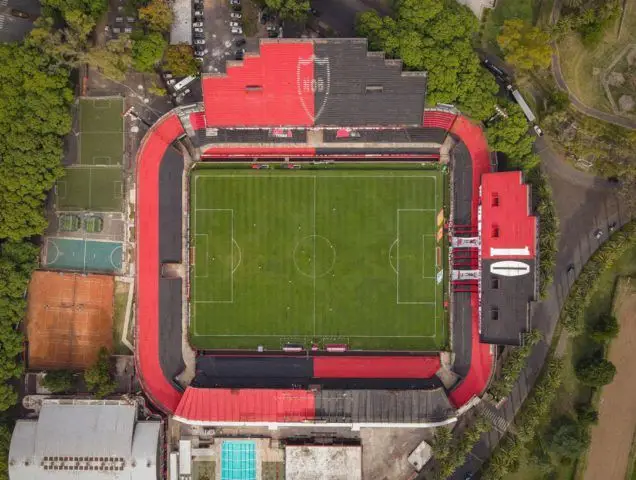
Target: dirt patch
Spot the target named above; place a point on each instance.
(385, 452)
(612, 437)
(69, 317)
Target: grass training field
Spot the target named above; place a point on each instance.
(326, 256)
(98, 189)
(101, 136)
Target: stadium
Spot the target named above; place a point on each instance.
(315, 247)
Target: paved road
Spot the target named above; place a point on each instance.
(14, 29)
(584, 203)
(576, 103)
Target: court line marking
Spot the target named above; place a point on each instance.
(314, 254)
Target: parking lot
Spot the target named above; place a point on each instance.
(16, 18)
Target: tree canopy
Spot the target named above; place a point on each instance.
(595, 371)
(179, 59)
(605, 328)
(148, 51)
(157, 15)
(510, 135)
(35, 99)
(525, 46)
(568, 438)
(98, 377)
(58, 381)
(436, 37)
(289, 9)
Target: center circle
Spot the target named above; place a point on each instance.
(314, 256)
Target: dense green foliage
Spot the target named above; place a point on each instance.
(5, 443)
(590, 19)
(526, 47)
(17, 261)
(513, 364)
(436, 36)
(594, 370)
(148, 51)
(604, 329)
(157, 15)
(179, 59)
(34, 115)
(510, 136)
(92, 8)
(58, 381)
(450, 451)
(534, 413)
(289, 9)
(586, 283)
(99, 377)
(569, 438)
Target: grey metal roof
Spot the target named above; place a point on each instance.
(75, 441)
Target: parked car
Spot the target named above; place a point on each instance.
(239, 42)
(236, 15)
(538, 130)
(200, 53)
(19, 13)
(186, 91)
(235, 24)
(172, 81)
(598, 233)
(237, 30)
(198, 13)
(167, 75)
(198, 35)
(235, 2)
(199, 41)
(198, 30)
(197, 2)
(197, 24)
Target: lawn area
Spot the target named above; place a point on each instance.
(317, 256)
(582, 67)
(572, 392)
(504, 10)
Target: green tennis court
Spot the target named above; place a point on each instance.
(83, 255)
(90, 188)
(317, 256)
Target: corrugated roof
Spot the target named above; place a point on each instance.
(77, 441)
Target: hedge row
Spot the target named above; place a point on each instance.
(513, 364)
(586, 284)
(533, 415)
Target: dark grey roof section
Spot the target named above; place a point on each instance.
(170, 298)
(377, 406)
(170, 206)
(260, 135)
(506, 303)
(377, 151)
(389, 135)
(462, 169)
(462, 338)
(356, 87)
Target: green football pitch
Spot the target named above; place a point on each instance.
(101, 135)
(317, 256)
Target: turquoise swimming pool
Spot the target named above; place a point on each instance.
(238, 460)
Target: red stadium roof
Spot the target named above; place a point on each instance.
(376, 367)
(246, 405)
(263, 90)
(508, 229)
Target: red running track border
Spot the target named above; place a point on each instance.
(149, 157)
(376, 367)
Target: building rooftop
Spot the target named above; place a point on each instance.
(84, 440)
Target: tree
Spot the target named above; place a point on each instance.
(605, 329)
(436, 37)
(148, 51)
(510, 135)
(595, 371)
(526, 47)
(58, 381)
(114, 59)
(157, 15)
(98, 377)
(558, 101)
(5, 443)
(289, 9)
(92, 8)
(568, 438)
(179, 59)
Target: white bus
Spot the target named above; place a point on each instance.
(184, 83)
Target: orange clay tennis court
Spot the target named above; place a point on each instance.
(69, 317)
